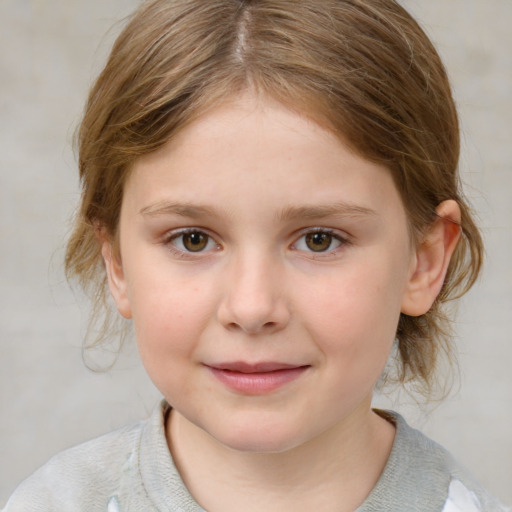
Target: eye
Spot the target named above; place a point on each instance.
(319, 241)
(192, 241)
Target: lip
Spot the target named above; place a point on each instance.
(256, 378)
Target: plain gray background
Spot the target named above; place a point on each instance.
(49, 53)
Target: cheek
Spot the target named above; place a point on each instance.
(356, 312)
(168, 315)
(169, 323)
(354, 327)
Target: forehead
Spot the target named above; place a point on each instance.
(254, 147)
(246, 116)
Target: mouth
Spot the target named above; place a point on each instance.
(256, 378)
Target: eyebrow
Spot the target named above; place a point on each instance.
(182, 209)
(342, 209)
(289, 213)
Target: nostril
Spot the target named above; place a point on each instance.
(253, 314)
(252, 329)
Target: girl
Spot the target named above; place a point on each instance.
(270, 194)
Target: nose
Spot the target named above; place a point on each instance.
(254, 297)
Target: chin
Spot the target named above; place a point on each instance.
(260, 445)
(259, 438)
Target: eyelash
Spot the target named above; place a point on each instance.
(334, 236)
(177, 235)
(183, 252)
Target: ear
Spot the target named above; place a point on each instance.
(433, 254)
(115, 277)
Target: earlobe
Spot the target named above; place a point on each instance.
(432, 258)
(116, 278)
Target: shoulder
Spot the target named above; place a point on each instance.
(66, 480)
(422, 476)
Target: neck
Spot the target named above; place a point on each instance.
(334, 471)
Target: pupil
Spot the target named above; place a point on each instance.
(195, 238)
(318, 242)
(195, 241)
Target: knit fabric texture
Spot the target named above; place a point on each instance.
(131, 470)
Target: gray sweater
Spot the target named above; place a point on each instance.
(131, 470)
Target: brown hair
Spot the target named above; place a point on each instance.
(364, 68)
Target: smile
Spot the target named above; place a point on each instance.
(256, 379)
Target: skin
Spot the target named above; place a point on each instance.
(254, 179)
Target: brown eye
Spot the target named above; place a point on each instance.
(318, 242)
(191, 241)
(195, 241)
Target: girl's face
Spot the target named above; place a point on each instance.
(265, 266)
